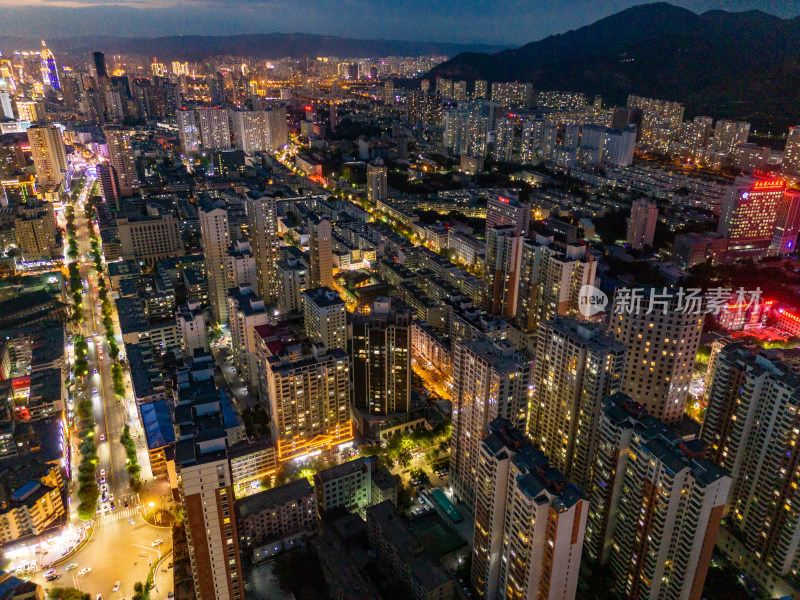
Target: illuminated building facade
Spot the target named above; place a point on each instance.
(309, 398)
(749, 215)
(751, 431)
(655, 505)
(529, 521)
(490, 379)
(576, 365)
(49, 155)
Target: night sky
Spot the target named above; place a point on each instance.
(510, 22)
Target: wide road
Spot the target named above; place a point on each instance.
(122, 545)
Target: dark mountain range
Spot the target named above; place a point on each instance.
(726, 65)
(267, 46)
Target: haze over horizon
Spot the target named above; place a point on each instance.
(508, 22)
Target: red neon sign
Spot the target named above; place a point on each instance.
(774, 184)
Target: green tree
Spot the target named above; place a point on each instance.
(66, 593)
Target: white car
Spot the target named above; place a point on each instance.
(102, 472)
(116, 587)
(84, 571)
(158, 542)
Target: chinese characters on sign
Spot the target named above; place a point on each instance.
(688, 301)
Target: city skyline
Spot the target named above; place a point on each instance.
(508, 22)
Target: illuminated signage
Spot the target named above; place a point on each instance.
(772, 184)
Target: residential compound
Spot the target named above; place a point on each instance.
(529, 520)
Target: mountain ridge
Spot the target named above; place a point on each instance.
(730, 65)
(255, 45)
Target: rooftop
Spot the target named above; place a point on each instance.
(272, 498)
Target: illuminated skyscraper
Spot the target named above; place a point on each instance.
(662, 346)
(529, 521)
(503, 255)
(109, 184)
(216, 239)
(214, 126)
(262, 214)
(655, 505)
(376, 181)
(120, 155)
(49, 155)
(791, 154)
(382, 358)
(49, 68)
(749, 215)
(320, 245)
(576, 365)
(490, 379)
(504, 139)
(188, 131)
(751, 430)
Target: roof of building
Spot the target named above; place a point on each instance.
(425, 571)
(277, 496)
(348, 468)
(157, 424)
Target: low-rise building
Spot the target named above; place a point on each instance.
(274, 520)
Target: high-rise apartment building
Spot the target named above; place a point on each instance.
(388, 91)
(241, 265)
(214, 125)
(728, 135)
(502, 210)
(791, 153)
(576, 366)
(504, 139)
(99, 60)
(216, 239)
(262, 215)
(751, 431)
(278, 134)
(550, 281)
(309, 399)
(35, 230)
(292, 282)
(787, 227)
(642, 224)
(662, 347)
(490, 379)
(503, 256)
(460, 90)
(325, 317)
(376, 181)
(250, 130)
(481, 89)
(49, 68)
(109, 185)
(532, 141)
(320, 245)
(207, 497)
(188, 131)
(246, 311)
(49, 155)
(529, 521)
(749, 214)
(382, 358)
(120, 155)
(656, 505)
(191, 322)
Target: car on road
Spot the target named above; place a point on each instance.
(131, 521)
(51, 578)
(158, 542)
(72, 566)
(111, 503)
(94, 371)
(84, 571)
(104, 497)
(94, 391)
(102, 437)
(102, 472)
(125, 504)
(50, 572)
